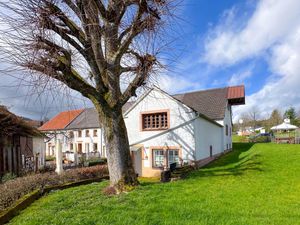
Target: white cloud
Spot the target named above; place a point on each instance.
(271, 21)
(282, 89)
(176, 84)
(239, 78)
(271, 32)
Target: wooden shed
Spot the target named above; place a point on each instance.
(16, 144)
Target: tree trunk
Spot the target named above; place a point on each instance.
(121, 171)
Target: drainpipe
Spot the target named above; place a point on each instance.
(101, 143)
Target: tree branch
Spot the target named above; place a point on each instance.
(142, 74)
(74, 29)
(74, 8)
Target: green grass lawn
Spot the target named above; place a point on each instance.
(254, 184)
(237, 139)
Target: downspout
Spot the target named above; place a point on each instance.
(101, 146)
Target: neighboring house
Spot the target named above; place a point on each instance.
(189, 128)
(55, 129)
(86, 134)
(260, 130)
(21, 146)
(79, 131)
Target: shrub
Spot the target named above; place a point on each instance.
(12, 190)
(97, 161)
(50, 158)
(7, 177)
(262, 139)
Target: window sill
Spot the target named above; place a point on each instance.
(157, 129)
(157, 168)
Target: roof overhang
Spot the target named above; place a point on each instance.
(237, 101)
(236, 95)
(136, 148)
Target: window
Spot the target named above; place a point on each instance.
(79, 133)
(163, 155)
(173, 157)
(158, 158)
(71, 134)
(87, 133)
(155, 121)
(71, 146)
(95, 147)
(226, 130)
(95, 133)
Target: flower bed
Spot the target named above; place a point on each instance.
(15, 189)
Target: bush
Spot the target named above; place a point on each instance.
(94, 162)
(7, 177)
(12, 190)
(262, 139)
(50, 158)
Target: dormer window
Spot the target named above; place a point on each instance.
(155, 120)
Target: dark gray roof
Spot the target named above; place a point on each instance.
(212, 103)
(127, 106)
(89, 118)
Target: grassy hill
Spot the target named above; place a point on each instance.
(254, 184)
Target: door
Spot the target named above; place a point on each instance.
(79, 148)
(137, 161)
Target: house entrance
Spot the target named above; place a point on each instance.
(79, 148)
(137, 161)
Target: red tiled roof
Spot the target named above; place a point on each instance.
(61, 120)
(236, 92)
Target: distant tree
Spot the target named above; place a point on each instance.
(291, 114)
(275, 118)
(253, 116)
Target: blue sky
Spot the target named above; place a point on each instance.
(256, 43)
(198, 22)
(217, 44)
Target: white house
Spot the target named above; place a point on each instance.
(189, 128)
(79, 132)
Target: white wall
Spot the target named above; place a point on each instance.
(207, 134)
(90, 140)
(39, 147)
(84, 140)
(180, 115)
(227, 139)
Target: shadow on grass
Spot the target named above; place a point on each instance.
(232, 164)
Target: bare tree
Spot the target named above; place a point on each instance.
(92, 46)
(253, 116)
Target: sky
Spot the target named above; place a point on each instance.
(217, 43)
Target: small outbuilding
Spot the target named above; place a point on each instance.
(21, 145)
